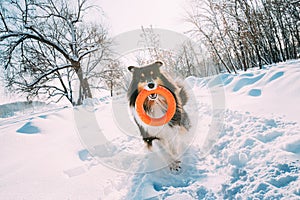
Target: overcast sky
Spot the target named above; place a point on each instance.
(126, 15)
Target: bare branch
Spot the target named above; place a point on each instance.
(88, 52)
(48, 73)
(57, 46)
(3, 21)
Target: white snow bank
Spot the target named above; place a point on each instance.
(16, 108)
(255, 154)
(275, 90)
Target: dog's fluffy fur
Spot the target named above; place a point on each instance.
(168, 137)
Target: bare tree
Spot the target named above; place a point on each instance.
(184, 62)
(241, 34)
(191, 60)
(48, 51)
(111, 76)
(207, 25)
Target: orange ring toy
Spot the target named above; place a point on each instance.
(155, 121)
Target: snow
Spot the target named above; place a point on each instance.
(246, 145)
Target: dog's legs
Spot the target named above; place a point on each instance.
(170, 154)
(176, 146)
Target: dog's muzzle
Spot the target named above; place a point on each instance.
(151, 86)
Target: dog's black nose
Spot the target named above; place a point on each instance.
(151, 85)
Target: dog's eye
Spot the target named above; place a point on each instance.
(154, 74)
(142, 77)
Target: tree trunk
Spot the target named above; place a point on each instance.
(84, 87)
(111, 88)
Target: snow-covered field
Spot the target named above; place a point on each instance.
(246, 146)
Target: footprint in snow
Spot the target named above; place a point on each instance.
(246, 81)
(276, 76)
(255, 92)
(28, 128)
(160, 183)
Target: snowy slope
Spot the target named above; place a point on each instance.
(247, 146)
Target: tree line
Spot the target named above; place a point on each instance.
(48, 50)
(242, 34)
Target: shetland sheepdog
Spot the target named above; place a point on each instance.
(169, 137)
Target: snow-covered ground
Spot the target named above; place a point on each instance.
(246, 146)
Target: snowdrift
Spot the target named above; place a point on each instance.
(247, 146)
(12, 109)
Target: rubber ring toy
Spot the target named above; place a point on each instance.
(155, 121)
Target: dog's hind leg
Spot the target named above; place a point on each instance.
(169, 154)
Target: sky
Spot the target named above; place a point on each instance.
(127, 15)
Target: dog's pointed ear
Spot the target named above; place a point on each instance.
(159, 63)
(131, 68)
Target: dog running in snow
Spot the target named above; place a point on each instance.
(169, 137)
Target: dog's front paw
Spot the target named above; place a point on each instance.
(175, 166)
